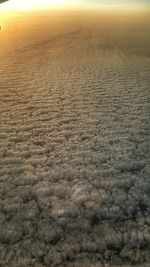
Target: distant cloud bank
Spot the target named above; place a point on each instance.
(118, 2)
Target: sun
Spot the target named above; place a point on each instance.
(17, 5)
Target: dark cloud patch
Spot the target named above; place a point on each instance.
(2, 1)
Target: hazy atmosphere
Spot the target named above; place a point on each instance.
(14, 5)
(74, 135)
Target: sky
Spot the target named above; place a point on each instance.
(40, 4)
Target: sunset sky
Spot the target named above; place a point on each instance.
(34, 4)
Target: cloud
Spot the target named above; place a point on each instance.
(74, 165)
(114, 2)
(117, 2)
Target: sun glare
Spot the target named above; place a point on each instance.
(17, 5)
(23, 5)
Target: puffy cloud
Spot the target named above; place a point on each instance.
(74, 169)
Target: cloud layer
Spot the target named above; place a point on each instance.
(74, 127)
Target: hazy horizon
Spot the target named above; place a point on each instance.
(23, 5)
